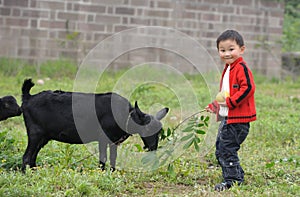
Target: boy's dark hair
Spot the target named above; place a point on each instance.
(231, 35)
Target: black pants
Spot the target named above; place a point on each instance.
(229, 139)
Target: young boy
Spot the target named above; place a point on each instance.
(236, 110)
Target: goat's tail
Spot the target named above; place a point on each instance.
(27, 85)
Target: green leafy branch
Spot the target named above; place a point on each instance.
(190, 135)
(196, 126)
(194, 129)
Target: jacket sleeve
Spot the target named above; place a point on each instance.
(245, 89)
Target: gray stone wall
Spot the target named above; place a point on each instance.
(39, 30)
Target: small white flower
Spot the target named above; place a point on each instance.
(40, 82)
(173, 118)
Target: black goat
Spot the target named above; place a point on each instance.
(78, 118)
(9, 108)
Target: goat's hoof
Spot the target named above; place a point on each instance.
(102, 166)
(112, 169)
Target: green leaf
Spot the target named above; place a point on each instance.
(200, 125)
(197, 139)
(186, 137)
(270, 165)
(162, 136)
(196, 145)
(139, 147)
(206, 119)
(206, 124)
(191, 121)
(169, 132)
(199, 131)
(171, 171)
(187, 145)
(202, 118)
(188, 129)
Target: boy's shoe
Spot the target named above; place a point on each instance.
(222, 186)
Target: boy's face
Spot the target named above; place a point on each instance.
(230, 51)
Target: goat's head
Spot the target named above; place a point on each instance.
(147, 126)
(9, 108)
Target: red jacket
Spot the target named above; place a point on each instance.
(241, 103)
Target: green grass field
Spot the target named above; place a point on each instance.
(270, 156)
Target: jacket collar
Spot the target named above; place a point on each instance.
(240, 59)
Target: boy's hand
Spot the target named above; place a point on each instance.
(208, 109)
(212, 107)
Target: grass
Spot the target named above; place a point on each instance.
(270, 155)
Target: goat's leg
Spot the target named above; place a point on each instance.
(103, 153)
(113, 156)
(26, 157)
(40, 145)
(34, 145)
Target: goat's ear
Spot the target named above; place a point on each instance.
(162, 113)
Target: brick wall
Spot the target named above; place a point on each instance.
(39, 30)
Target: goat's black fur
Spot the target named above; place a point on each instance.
(77, 118)
(9, 108)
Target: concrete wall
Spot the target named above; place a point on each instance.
(39, 30)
